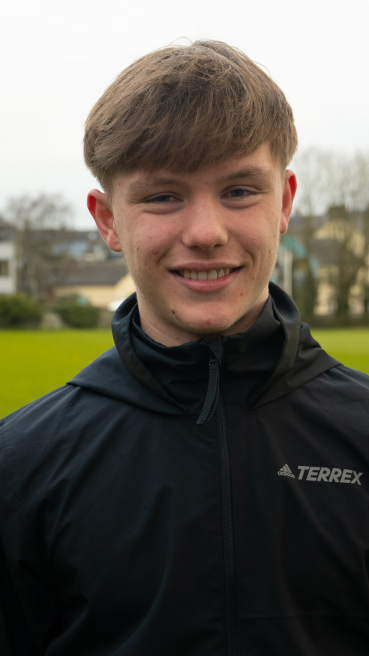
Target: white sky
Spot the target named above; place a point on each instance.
(58, 57)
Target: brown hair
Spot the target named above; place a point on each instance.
(184, 107)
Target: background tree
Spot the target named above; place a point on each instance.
(349, 254)
(311, 169)
(333, 204)
(347, 224)
(39, 222)
(365, 276)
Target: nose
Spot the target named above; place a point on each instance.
(204, 227)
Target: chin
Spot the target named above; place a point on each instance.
(208, 325)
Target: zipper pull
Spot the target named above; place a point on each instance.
(212, 394)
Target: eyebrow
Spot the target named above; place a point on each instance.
(162, 181)
(251, 172)
(142, 185)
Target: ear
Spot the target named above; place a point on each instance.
(98, 206)
(289, 191)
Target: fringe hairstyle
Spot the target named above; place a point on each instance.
(184, 107)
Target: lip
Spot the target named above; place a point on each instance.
(202, 286)
(204, 266)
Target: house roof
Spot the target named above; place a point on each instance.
(90, 273)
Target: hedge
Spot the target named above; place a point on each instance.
(77, 312)
(18, 310)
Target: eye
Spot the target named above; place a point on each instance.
(239, 193)
(163, 198)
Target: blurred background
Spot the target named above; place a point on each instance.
(59, 283)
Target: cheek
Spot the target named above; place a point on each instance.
(147, 242)
(266, 229)
(259, 238)
(258, 235)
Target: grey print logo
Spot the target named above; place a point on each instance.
(285, 471)
(327, 475)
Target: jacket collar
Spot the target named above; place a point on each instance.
(120, 374)
(181, 373)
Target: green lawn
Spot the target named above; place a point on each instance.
(33, 363)
(349, 346)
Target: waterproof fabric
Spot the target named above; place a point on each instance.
(129, 529)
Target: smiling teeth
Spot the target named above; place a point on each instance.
(212, 274)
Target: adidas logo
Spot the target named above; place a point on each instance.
(285, 471)
(325, 474)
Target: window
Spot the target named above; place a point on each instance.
(4, 268)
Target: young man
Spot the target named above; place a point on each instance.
(202, 487)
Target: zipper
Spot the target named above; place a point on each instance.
(214, 405)
(228, 532)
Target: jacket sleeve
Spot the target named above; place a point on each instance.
(29, 615)
(15, 635)
(15, 639)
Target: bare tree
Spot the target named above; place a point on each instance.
(365, 272)
(347, 181)
(350, 248)
(348, 224)
(311, 168)
(38, 221)
(336, 186)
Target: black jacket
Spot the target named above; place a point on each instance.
(156, 507)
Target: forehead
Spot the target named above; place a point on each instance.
(258, 165)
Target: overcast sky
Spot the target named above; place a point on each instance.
(58, 57)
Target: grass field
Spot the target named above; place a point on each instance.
(349, 346)
(33, 363)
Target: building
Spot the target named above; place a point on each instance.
(8, 265)
(103, 284)
(80, 245)
(326, 234)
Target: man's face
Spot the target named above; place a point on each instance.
(200, 246)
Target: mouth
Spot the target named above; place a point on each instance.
(209, 274)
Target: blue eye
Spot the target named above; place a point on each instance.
(164, 198)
